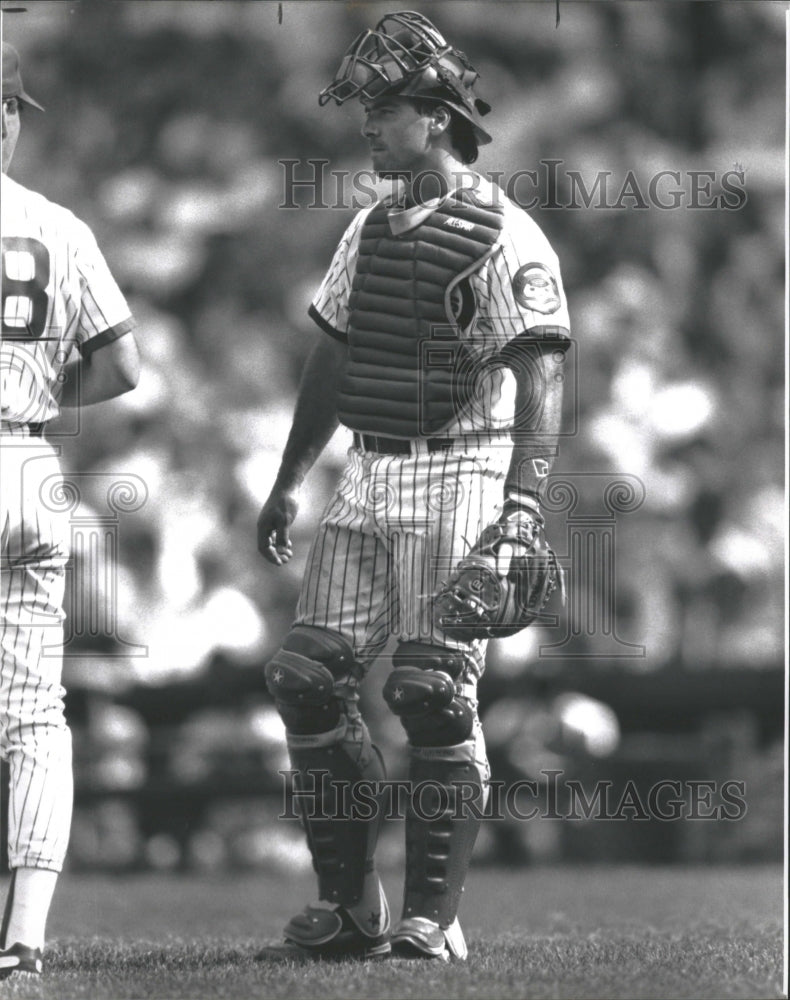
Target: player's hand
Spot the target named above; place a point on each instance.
(274, 521)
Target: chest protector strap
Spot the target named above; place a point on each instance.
(405, 372)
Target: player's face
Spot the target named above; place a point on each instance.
(11, 124)
(398, 135)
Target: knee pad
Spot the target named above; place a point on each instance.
(421, 692)
(301, 678)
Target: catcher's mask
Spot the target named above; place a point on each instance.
(405, 55)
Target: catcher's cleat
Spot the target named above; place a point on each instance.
(20, 962)
(331, 933)
(419, 937)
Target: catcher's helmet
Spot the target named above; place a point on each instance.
(405, 55)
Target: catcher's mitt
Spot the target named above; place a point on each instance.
(479, 603)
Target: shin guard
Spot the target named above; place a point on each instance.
(338, 798)
(442, 821)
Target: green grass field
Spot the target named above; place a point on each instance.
(563, 933)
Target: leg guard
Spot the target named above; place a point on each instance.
(421, 691)
(301, 678)
(442, 822)
(312, 680)
(447, 773)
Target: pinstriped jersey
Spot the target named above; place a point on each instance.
(58, 295)
(516, 293)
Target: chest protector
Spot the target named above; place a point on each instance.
(407, 366)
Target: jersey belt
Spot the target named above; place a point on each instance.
(400, 446)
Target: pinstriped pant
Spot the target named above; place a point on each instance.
(393, 530)
(34, 737)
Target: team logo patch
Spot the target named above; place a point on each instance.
(541, 467)
(535, 288)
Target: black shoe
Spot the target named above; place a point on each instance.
(19, 960)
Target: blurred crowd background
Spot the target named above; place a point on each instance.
(164, 129)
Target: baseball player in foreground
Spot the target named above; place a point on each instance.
(66, 341)
(444, 326)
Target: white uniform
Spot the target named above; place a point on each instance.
(57, 296)
(399, 523)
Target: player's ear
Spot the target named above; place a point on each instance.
(439, 120)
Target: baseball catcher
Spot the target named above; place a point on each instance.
(443, 334)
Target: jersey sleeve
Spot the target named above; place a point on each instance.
(329, 308)
(525, 294)
(104, 314)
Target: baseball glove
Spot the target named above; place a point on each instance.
(479, 601)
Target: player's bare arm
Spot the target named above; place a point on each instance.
(103, 374)
(314, 422)
(536, 423)
(514, 547)
(538, 414)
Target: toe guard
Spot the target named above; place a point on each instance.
(419, 937)
(334, 933)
